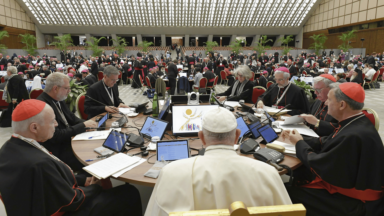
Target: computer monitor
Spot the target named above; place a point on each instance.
(116, 141)
(172, 150)
(102, 121)
(165, 109)
(186, 120)
(268, 134)
(242, 126)
(253, 128)
(153, 127)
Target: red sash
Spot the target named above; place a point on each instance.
(363, 195)
(211, 80)
(142, 72)
(191, 63)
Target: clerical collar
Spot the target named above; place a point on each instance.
(219, 149)
(348, 119)
(106, 85)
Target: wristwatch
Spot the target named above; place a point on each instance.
(317, 124)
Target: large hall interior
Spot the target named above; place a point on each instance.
(191, 107)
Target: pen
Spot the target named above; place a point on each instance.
(89, 160)
(94, 136)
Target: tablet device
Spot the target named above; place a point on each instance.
(116, 141)
(269, 117)
(254, 129)
(172, 150)
(153, 127)
(102, 121)
(165, 109)
(242, 126)
(268, 134)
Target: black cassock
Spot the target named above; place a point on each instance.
(295, 96)
(263, 82)
(138, 71)
(33, 183)
(327, 123)
(341, 171)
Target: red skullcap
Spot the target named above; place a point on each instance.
(27, 109)
(353, 91)
(329, 76)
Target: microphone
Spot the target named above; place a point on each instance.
(114, 108)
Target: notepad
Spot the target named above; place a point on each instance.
(109, 166)
(293, 120)
(301, 128)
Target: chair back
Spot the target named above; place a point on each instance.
(269, 84)
(35, 93)
(3, 103)
(223, 75)
(80, 106)
(257, 91)
(230, 66)
(27, 65)
(147, 80)
(363, 75)
(120, 75)
(215, 82)
(2, 80)
(372, 116)
(239, 209)
(305, 73)
(100, 75)
(179, 69)
(203, 82)
(374, 78)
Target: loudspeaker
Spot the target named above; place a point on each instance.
(135, 140)
(249, 146)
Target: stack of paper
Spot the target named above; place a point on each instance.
(289, 148)
(112, 165)
(271, 110)
(232, 103)
(292, 120)
(95, 135)
(301, 128)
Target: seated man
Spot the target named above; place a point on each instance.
(263, 80)
(151, 76)
(80, 80)
(198, 76)
(319, 119)
(35, 182)
(104, 91)
(370, 73)
(242, 88)
(56, 91)
(342, 173)
(283, 92)
(209, 75)
(88, 77)
(218, 178)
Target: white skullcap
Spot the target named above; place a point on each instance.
(219, 120)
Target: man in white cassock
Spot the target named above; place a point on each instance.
(218, 178)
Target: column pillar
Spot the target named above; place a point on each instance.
(40, 41)
(163, 44)
(277, 42)
(210, 38)
(233, 38)
(139, 38)
(114, 37)
(299, 37)
(186, 42)
(88, 36)
(256, 39)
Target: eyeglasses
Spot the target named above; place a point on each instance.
(318, 90)
(279, 80)
(66, 88)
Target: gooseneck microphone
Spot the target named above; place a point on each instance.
(112, 107)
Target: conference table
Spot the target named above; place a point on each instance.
(84, 150)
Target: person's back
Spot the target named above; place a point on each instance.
(218, 178)
(197, 79)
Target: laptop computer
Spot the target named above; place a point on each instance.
(172, 150)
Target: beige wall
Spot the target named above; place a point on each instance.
(12, 15)
(332, 13)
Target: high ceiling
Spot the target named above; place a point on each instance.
(170, 13)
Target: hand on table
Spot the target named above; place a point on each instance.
(309, 118)
(111, 109)
(123, 106)
(295, 137)
(90, 123)
(285, 134)
(260, 104)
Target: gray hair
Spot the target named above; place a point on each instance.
(340, 96)
(286, 75)
(45, 66)
(110, 70)
(350, 66)
(23, 126)
(326, 81)
(245, 71)
(219, 136)
(54, 79)
(12, 69)
(102, 65)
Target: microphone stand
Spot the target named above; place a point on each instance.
(114, 108)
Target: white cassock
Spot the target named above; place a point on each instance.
(36, 83)
(214, 181)
(82, 67)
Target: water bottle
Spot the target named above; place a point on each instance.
(155, 106)
(166, 95)
(213, 97)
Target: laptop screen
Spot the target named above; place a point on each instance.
(116, 141)
(102, 120)
(172, 150)
(242, 126)
(153, 127)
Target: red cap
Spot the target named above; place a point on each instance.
(70, 75)
(27, 109)
(284, 69)
(265, 72)
(329, 76)
(353, 91)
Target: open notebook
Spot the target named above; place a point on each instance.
(113, 165)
